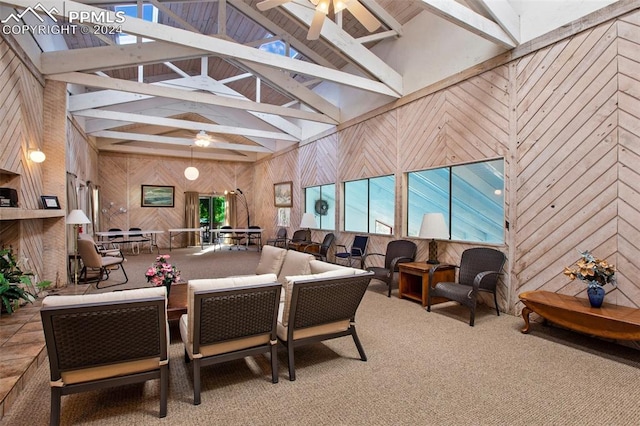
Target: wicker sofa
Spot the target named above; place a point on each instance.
(318, 302)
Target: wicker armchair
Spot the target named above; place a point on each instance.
(92, 344)
(479, 270)
(398, 251)
(230, 318)
(321, 250)
(320, 309)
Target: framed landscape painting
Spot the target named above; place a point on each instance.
(282, 194)
(157, 196)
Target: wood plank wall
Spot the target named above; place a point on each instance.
(121, 177)
(566, 120)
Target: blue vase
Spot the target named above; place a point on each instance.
(596, 296)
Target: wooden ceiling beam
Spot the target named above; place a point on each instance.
(183, 124)
(466, 18)
(505, 16)
(216, 46)
(175, 153)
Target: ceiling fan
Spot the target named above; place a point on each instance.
(360, 12)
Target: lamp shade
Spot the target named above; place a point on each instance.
(308, 221)
(434, 227)
(77, 217)
(191, 173)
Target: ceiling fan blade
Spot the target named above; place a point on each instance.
(316, 25)
(270, 4)
(363, 15)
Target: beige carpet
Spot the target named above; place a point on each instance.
(423, 368)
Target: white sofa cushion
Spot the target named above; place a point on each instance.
(113, 296)
(271, 260)
(295, 263)
(219, 284)
(318, 266)
(283, 316)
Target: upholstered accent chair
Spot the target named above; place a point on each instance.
(230, 318)
(93, 259)
(104, 340)
(398, 251)
(357, 251)
(479, 270)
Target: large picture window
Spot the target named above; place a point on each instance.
(369, 205)
(321, 201)
(470, 196)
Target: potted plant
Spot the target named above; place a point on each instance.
(596, 273)
(14, 283)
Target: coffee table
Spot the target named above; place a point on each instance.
(177, 305)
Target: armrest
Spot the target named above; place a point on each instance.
(482, 275)
(364, 259)
(396, 260)
(343, 246)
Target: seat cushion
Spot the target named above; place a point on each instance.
(453, 291)
(271, 260)
(295, 263)
(107, 371)
(334, 327)
(318, 266)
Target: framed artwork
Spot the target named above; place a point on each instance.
(157, 196)
(50, 202)
(284, 217)
(282, 194)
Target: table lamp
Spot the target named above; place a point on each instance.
(308, 221)
(433, 226)
(76, 218)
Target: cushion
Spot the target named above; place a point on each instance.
(271, 260)
(291, 280)
(295, 263)
(220, 284)
(113, 296)
(318, 266)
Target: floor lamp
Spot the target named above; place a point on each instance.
(76, 218)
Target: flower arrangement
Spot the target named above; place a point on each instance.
(161, 272)
(596, 272)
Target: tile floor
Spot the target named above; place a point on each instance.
(22, 349)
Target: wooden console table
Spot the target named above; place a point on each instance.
(609, 321)
(413, 282)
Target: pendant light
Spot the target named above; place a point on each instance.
(191, 172)
(202, 139)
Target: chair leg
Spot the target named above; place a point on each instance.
(292, 368)
(164, 389)
(495, 300)
(56, 395)
(363, 356)
(196, 382)
(103, 269)
(274, 363)
(472, 315)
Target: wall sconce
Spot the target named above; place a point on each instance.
(107, 211)
(37, 156)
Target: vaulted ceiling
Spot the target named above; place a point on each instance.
(204, 70)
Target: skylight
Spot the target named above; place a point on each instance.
(149, 13)
(279, 48)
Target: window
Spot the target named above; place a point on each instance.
(149, 13)
(469, 195)
(278, 47)
(369, 205)
(321, 201)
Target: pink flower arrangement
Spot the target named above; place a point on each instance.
(162, 272)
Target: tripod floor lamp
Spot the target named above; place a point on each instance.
(76, 218)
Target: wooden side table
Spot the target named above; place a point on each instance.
(414, 284)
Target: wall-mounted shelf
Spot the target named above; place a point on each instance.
(14, 213)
